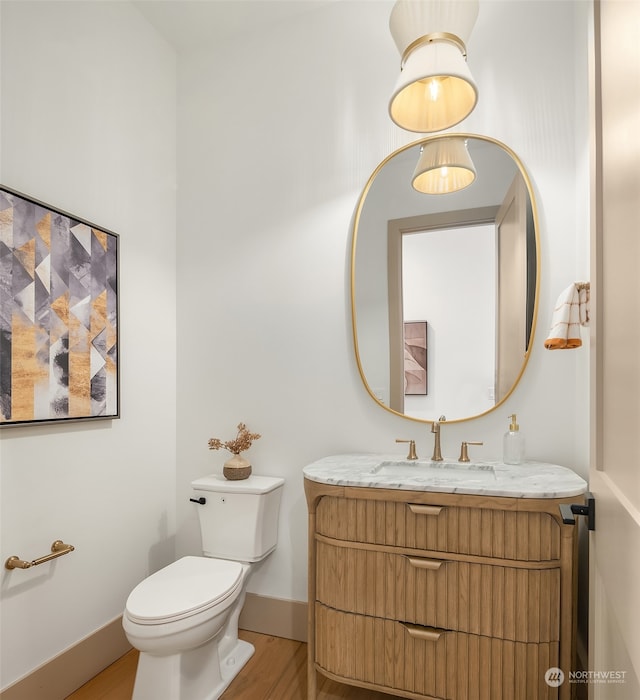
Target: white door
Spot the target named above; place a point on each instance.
(614, 625)
(512, 317)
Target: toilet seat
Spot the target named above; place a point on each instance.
(185, 588)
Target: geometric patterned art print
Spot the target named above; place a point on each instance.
(58, 315)
(415, 358)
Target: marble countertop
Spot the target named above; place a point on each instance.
(387, 471)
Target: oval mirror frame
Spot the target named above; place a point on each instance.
(356, 233)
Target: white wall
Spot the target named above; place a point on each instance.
(88, 125)
(277, 134)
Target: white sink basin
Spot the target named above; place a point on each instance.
(446, 471)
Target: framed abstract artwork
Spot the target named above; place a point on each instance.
(415, 358)
(59, 350)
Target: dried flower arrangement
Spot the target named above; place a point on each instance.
(239, 444)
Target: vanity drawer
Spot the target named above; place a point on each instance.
(518, 535)
(420, 661)
(519, 604)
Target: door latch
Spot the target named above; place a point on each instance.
(570, 510)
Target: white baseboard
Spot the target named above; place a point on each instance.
(72, 668)
(275, 616)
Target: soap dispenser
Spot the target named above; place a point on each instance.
(513, 443)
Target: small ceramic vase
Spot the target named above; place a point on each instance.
(237, 468)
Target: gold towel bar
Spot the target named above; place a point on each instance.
(583, 285)
(58, 548)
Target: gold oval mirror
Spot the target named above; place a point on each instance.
(444, 288)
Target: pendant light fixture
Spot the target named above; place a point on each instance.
(444, 166)
(435, 89)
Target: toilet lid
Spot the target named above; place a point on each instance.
(184, 588)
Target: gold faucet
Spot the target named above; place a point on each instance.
(464, 453)
(435, 429)
(412, 448)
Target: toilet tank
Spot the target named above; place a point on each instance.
(239, 519)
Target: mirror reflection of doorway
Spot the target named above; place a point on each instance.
(474, 279)
(447, 275)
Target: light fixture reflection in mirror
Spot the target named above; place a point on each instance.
(389, 212)
(444, 166)
(435, 89)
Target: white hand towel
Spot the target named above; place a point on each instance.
(565, 323)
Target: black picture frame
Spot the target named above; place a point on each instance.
(59, 315)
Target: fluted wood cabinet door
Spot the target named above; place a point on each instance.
(614, 634)
(420, 662)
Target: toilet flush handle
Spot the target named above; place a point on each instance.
(202, 500)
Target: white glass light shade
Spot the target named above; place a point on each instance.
(435, 89)
(444, 166)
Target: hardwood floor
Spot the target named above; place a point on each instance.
(277, 671)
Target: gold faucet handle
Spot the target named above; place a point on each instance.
(464, 454)
(412, 448)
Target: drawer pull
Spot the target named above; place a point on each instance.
(424, 510)
(431, 564)
(427, 634)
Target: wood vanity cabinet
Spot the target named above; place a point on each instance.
(437, 595)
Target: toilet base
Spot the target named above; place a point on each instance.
(198, 674)
(233, 663)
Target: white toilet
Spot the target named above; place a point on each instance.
(184, 618)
